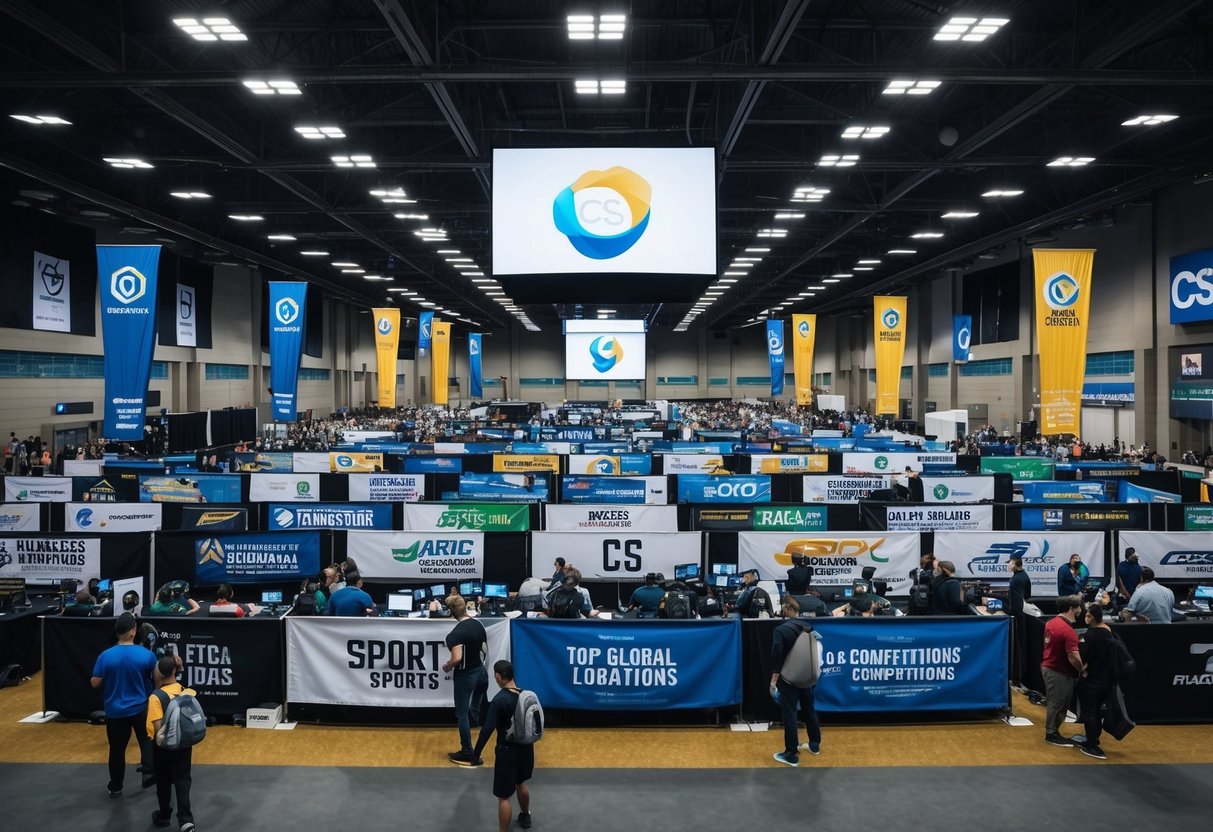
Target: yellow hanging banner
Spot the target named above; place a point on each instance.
(804, 338)
(440, 357)
(387, 342)
(1063, 298)
(890, 335)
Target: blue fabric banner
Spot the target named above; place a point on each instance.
(433, 465)
(194, 488)
(706, 488)
(872, 664)
(127, 276)
(588, 488)
(962, 337)
(775, 355)
(501, 488)
(619, 667)
(782, 427)
(287, 306)
(374, 516)
(1130, 493)
(477, 380)
(425, 328)
(256, 558)
(1064, 491)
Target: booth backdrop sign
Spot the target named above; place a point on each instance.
(618, 666)
(957, 489)
(379, 662)
(586, 517)
(893, 462)
(928, 518)
(582, 488)
(20, 517)
(1083, 517)
(392, 488)
(476, 517)
(625, 555)
(256, 557)
(48, 559)
(837, 559)
(417, 556)
(691, 463)
(277, 488)
(1186, 556)
(508, 463)
(790, 463)
(354, 462)
(626, 465)
(1064, 491)
(112, 517)
(830, 488)
(706, 488)
(37, 489)
(330, 516)
(191, 488)
(985, 554)
(780, 518)
(1021, 468)
(214, 518)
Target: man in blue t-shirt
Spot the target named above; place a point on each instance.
(124, 673)
(648, 597)
(1128, 574)
(352, 600)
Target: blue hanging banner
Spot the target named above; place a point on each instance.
(127, 275)
(1064, 491)
(775, 354)
(474, 364)
(630, 666)
(1130, 493)
(586, 488)
(962, 337)
(288, 301)
(710, 488)
(256, 558)
(425, 327)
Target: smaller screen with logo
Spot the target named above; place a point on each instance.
(607, 350)
(1191, 386)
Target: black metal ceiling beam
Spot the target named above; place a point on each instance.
(778, 39)
(414, 46)
(115, 79)
(57, 33)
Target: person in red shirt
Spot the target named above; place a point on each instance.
(1061, 666)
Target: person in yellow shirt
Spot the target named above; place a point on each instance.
(172, 767)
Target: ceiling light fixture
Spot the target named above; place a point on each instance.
(868, 262)
(411, 216)
(1139, 121)
(809, 193)
(210, 29)
(246, 217)
(341, 264)
(1001, 193)
(786, 216)
(842, 274)
(777, 233)
(758, 250)
(735, 274)
(356, 161)
(353, 271)
(970, 29)
(320, 132)
(900, 86)
(834, 160)
(190, 194)
(859, 131)
(278, 86)
(607, 86)
(926, 235)
(314, 253)
(902, 251)
(127, 163)
(1071, 162)
(39, 120)
(395, 196)
(959, 215)
(829, 280)
(286, 238)
(865, 268)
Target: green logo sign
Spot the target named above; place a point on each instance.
(22, 494)
(1198, 518)
(881, 463)
(942, 492)
(303, 487)
(408, 554)
(1020, 468)
(790, 519)
(485, 518)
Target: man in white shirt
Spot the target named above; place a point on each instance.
(1150, 599)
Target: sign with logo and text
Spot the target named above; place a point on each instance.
(277, 488)
(1021, 468)
(928, 519)
(790, 463)
(892, 462)
(1174, 556)
(112, 517)
(20, 517)
(837, 559)
(1192, 287)
(234, 558)
(288, 303)
(350, 462)
(985, 554)
(474, 517)
(840, 489)
(1063, 300)
(418, 556)
(45, 560)
(569, 518)
(704, 488)
(37, 489)
(509, 463)
(187, 316)
(127, 278)
(623, 555)
(957, 489)
(775, 354)
(329, 516)
(392, 488)
(889, 332)
(52, 293)
(620, 465)
(692, 463)
(762, 519)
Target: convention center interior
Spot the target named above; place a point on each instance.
(606, 414)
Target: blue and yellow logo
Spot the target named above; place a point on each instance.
(803, 329)
(1060, 291)
(891, 318)
(606, 227)
(605, 352)
(385, 326)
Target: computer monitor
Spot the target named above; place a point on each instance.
(686, 571)
(1203, 593)
(496, 591)
(734, 581)
(438, 591)
(103, 585)
(400, 602)
(724, 569)
(720, 581)
(420, 595)
(848, 592)
(271, 597)
(470, 588)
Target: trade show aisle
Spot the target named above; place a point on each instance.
(986, 743)
(270, 797)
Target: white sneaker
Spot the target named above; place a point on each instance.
(804, 746)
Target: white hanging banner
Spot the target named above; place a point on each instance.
(52, 293)
(20, 517)
(957, 489)
(113, 517)
(283, 488)
(692, 463)
(1185, 556)
(891, 463)
(618, 556)
(837, 559)
(932, 519)
(379, 662)
(985, 554)
(417, 556)
(187, 316)
(834, 488)
(37, 489)
(48, 559)
(392, 488)
(597, 518)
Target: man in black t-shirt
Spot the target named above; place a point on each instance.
(515, 762)
(1020, 591)
(466, 666)
(799, 575)
(1097, 679)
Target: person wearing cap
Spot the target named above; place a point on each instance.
(124, 673)
(1128, 574)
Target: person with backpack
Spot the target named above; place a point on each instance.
(466, 665)
(947, 598)
(124, 673)
(571, 599)
(753, 601)
(517, 718)
(679, 603)
(795, 666)
(172, 751)
(1098, 650)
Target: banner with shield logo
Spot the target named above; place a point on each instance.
(1063, 300)
(287, 306)
(890, 334)
(127, 275)
(387, 342)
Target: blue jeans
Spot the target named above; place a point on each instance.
(471, 693)
(790, 699)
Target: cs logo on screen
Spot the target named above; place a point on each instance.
(286, 311)
(384, 326)
(891, 318)
(1061, 291)
(605, 352)
(803, 329)
(604, 212)
(127, 285)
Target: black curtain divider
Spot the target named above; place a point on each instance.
(232, 425)
(187, 432)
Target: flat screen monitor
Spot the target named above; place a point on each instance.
(470, 588)
(400, 602)
(604, 210)
(103, 585)
(604, 350)
(721, 581)
(496, 591)
(420, 595)
(271, 597)
(1204, 593)
(848, 592)
(724, 569)
(438, 591)
(734, 581)
(686, 571)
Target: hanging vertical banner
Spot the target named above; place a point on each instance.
(127, 276)
(439, 359)
(474, 344)
(387, 343)
(187, 329)
(804, 338)
(425, 327)
(52, 293)
(775, 354)
(890, 329)
(1063, 298)
(962, 337)
(287, 306)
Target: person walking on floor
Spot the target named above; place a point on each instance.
(1060, 666)
(514, 763)
(123, 672)
(792, 698)
(471, 682)
(173, 767)
(1098, 677)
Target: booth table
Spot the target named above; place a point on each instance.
(21, 636)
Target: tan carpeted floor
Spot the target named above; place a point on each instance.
(990, 743)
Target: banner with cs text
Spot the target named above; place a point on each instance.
(890, 334)
(287, 307)
(387, 342)
(804, 339)
(127, 276)
(440, 360)
(1063, 300)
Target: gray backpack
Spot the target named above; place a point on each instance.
(183, 724)
(527, 727)
(802, 665)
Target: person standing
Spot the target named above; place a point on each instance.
(1097, 678)
(791, 698)
(173, 767)
(515, 762)
(123, 672)
(1018, 593)
(471, 682)
(1060, 666)
(1128, 574)
(352, 599)
(947, 595)
(1071, 576)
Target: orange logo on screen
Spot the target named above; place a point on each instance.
(812, 547)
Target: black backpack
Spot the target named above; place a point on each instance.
(760, 602)
(920, 599)
(565, 603)
(677, 605)
(1124, 666)
(305, 604)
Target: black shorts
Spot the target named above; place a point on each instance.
(515, 764)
